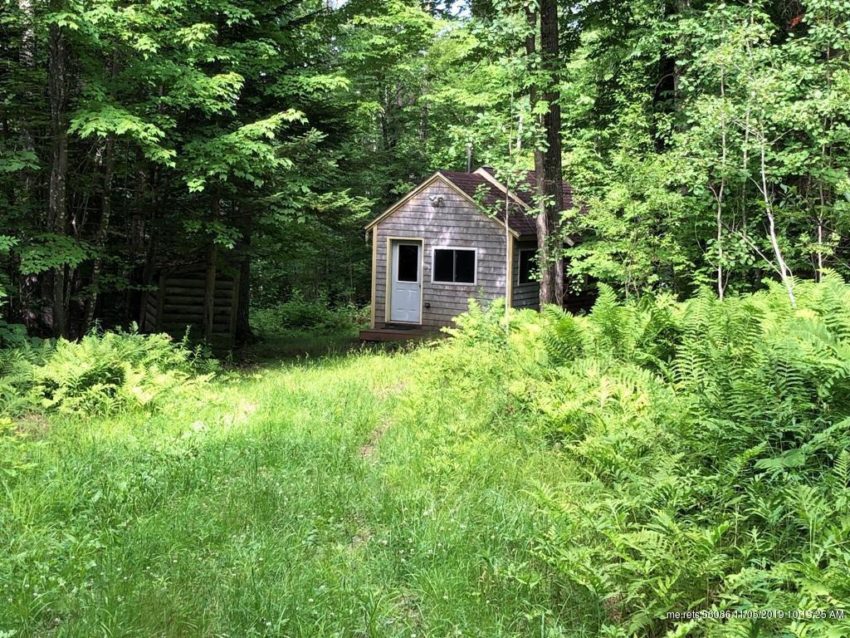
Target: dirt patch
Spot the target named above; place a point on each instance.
(411, 611)
(363, 534)
(34, 426)
(367, 451)
(243, 412)
(613, 606)
(362, 537)
(387, 391)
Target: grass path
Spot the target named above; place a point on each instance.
(297, 500)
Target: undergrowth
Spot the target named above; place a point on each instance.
(299, 314)
(571, 476)
(710, 442)
(100, 374)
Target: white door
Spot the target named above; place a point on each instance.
(406, 282)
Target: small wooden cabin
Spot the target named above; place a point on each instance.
(196, 297)
(445, 243)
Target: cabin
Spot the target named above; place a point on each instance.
(446, 242)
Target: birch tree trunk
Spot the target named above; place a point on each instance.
(721, 287)
(784, 272)
(552, 162)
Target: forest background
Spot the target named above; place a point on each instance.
(708, 140)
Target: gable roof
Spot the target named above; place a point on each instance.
(525, 195)
(483, 189)
(476, 186)
(439, 175)
(528, 190)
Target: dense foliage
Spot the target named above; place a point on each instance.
(706, 446)
(711, 139)
(314, 317)
(99, 374)
(169, 134)
(682, 447)
(707, 139)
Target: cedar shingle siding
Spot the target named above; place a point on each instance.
(458, 223)
(525, 295)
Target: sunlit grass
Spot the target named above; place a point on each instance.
(317, 497)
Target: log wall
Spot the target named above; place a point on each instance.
(179, 304)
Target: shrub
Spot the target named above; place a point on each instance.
(712, 445)
(480, 325)
(13, 335)
(100, 373)
(300, 314)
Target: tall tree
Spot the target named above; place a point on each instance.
(547, 160)
(57, 199)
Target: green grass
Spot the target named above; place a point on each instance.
(581, 476)
(317, 497)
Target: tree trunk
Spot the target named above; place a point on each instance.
(57, 193)
(27, 53)
(244, 335)
(719, 193)
(18, 306)
(547, 160)
(150, 246)
(102, 230)
(209, 293)
(26, 57)
(782, 266)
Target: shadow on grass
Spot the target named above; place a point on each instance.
(301, 346)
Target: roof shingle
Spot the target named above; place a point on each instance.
(482, 189)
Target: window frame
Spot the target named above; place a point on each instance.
(396, 275)
(471, 249)
(519, 281)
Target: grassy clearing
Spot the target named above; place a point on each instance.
(581, 476)
(317, 498)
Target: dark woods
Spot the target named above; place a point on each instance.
(253, 140)
(139, 140)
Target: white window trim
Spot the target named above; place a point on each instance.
(474, 281)
(519, 267)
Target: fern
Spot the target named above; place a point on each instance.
(708, 445)
(101, 373)
(563, 340)
(841, 470)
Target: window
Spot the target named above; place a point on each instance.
(527, 265)
(408, 262)
(454, 265)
